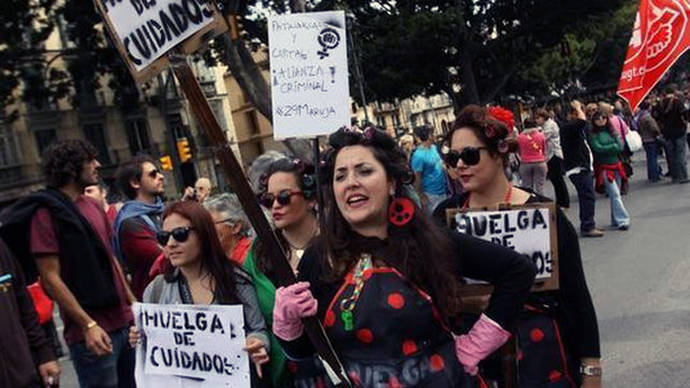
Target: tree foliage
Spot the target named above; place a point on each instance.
(484, 46)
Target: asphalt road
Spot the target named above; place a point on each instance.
(640, 283)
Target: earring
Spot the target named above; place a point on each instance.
(400, 211)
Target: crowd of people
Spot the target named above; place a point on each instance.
(382, 270)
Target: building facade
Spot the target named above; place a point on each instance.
(152, 124)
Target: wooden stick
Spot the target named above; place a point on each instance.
(233, 173)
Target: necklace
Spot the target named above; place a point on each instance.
(347, 306)
(295, 247)
(506, 199)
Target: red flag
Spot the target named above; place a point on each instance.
(660, 36)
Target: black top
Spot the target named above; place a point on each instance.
(576, 152)
(510, 273)
(22, 340)
(84, 259)
(575, 309)
(672, 123)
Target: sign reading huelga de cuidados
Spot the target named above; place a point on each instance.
(190, 341)
(149, 28)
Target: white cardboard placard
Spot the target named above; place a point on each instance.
(191, 346)
(148, 29)
(309, 74)
(526, 230)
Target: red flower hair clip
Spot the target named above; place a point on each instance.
(503, 115)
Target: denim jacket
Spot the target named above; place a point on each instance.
(161, 291)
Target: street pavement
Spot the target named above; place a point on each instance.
(640, 283)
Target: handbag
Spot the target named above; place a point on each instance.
(633, 141)
(42, 303)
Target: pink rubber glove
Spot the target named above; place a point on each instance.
(293, 303)
(483, 339)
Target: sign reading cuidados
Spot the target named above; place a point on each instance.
(145, 30)
(529, 229)
(191, 346)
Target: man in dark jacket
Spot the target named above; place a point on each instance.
(65, 237)
(674, 130)
(577, 162)
(27, 358)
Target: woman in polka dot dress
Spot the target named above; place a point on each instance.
(385, 280)
(557, 332)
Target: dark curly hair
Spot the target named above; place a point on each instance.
(63, 161)
(304, 174)
(489, 129)
(420, 250)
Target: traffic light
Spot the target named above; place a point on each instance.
(183, 149)
(166, 163)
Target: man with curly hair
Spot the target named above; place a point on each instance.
(64, 236)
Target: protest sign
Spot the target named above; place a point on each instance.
(529, 229)
(144, 30)
(191, 345)
(309, 76)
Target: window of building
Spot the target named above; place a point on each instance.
(138, 135)
(62, 30)
(176, 125)
(9, 152)
(253, 122)
(217, 108)
(44, 137)
(95, 134)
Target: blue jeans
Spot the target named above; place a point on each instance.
(676, 154)
(652, 161)
(115, 370)
(584, 184)
(619, 216)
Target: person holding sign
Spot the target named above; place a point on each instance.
(198, 272)
(288, 191)
(385, 281)
(480, 145)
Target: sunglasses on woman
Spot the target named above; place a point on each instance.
(284, 197)
(469, 155)
(180, 234)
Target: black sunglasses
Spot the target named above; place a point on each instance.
(284, 197)
(180, 234)
(154, 173)
(470, 156)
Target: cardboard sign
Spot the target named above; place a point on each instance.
(530, 229)
(309, 76)
(145, 30)
(191, 345)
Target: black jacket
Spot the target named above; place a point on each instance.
(672, 123)
(23, 343)
(576, 152)
(84, 260)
